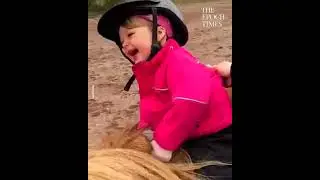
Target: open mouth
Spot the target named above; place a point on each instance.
(133, 52)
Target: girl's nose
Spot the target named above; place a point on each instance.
(125, 47)
(124, 44)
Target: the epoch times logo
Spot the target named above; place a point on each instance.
(210, 18)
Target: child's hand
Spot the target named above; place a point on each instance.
(160, 153)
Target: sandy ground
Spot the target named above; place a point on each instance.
(108, 72)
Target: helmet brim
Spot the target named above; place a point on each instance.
(109, 23)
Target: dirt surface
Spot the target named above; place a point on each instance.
(110, 106)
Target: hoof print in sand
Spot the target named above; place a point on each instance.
(96, 108)
(134, 107)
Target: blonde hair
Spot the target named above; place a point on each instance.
(126, 155)
(134, 22)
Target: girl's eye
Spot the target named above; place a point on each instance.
(130, 34)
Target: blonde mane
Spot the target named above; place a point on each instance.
(126, 155)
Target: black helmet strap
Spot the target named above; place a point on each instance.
(155, 47)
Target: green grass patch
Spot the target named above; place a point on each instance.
(97, 7)
(192, 1)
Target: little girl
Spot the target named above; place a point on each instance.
(181, 100)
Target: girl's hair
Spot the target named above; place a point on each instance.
(134, 22)
(146, 20)
(126, 155)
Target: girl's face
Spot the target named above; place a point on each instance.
(136, 39)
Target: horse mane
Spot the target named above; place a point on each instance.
(125, 154)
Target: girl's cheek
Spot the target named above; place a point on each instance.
(146, 50)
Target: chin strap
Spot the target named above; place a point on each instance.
(155, 47)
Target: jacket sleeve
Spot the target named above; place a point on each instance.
(178, 123)
(190, 85)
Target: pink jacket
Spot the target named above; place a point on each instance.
(180, 98)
